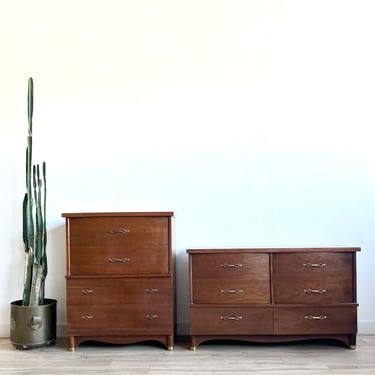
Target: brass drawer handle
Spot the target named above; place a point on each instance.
(118, 260)
(119, 231)
(226, 317)
(152, 290)
(226, 265)
(318, 317)
(231, 291)
(152, 316)
(87, 291)
(315, 291)
(87, 317)
(314, 265)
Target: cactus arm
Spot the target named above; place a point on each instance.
(29, 207)
(30, 104)
(38, 216)
(29, 152)
(28, 223)
(24, 222)
(44, 261)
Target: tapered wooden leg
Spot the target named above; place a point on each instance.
(193, 345)
(72, 344)
(352, 342)
(170, 342)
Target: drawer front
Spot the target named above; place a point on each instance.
(120, 317)
(231, 291)
(287, 290)
(119, 291)
(230, 266)
(119, 245)
(227, 321)
(313, 266)
(315, 320)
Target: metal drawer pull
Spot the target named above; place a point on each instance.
(119, 231)
(118, 260)
(231, 317)
(152, 316)
(229, 291)
(87, 291)
(226, 265)
(314, 265)
(152, 290)
(315, 291)
(87, 317)
(319, 317)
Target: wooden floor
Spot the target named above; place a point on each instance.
(214, 357)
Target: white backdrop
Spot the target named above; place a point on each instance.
(251, 120)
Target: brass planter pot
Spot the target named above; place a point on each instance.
(33, 326)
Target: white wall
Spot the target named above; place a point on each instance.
(251, 120)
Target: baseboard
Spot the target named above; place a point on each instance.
(61, 330)
(366, 328)
(182, 329)
(5, 329)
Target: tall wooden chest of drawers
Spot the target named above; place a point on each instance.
(273, 295)
(119, 277)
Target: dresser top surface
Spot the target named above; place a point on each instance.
(116, 214)
(275, 250)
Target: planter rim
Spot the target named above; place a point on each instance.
(47, 301)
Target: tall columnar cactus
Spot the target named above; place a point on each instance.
(34, 219)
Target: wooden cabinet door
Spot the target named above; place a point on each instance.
(119, 245)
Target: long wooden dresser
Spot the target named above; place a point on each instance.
(119, 277)
(273, 294)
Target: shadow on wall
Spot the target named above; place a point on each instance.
(182, 291)
(55, 283)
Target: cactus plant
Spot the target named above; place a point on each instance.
(34, 219)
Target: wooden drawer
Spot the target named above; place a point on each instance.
(119, 317)
(315, 320)
(312, 266)
(325, 290)
(118, 245)
(230, 321)
(119, 291)
(230, 266)
(220, 291)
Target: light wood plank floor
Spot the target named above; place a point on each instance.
(214, 357)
